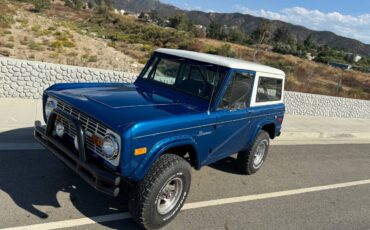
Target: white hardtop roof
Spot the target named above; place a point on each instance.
(222, 61)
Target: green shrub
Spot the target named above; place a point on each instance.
(85, 56)
(23, 22)
(40, 5)
(35, 28)
(6, 45)
(223, 50)
(92, 58)
(24, 41)
(357, 93)
(36, 46)
(53, 55)
(75, 4)
(6, 21)
(5, 32)
(147, 48)
(52, 28)
(5, 53)
(38, 31)
(62, 43)
(9, 45)
(72, 54)
(283, 65)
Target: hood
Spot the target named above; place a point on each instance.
(118, 105)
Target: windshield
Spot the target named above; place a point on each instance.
(196, 78)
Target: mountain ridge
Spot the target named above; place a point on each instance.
(247, 23)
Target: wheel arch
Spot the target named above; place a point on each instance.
(268, 125)
(270, 128)
(184, 146)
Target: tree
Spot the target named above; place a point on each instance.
(41, 5)
(262, 33)
(155, 17)
(91, 5)
(237, 36)
(75, 4)
(214, 30)
(200, 32)
(109, 3)
(309, 42)
(181, 22)
(282, 35)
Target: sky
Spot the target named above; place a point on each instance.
(343, 17)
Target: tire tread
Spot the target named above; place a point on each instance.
(244, 158)
(139, 202)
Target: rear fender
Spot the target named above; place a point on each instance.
(258, 129)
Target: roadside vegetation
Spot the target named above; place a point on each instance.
(76, 33)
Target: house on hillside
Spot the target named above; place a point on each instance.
(200, 27)
(341, 65)
(353, 58)
(145, 17)
(310, 57)
(121, 12)
(357, 58)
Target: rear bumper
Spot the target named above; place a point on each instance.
(102, 180)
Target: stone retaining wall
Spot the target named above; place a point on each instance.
(28, 79)
(325, 106)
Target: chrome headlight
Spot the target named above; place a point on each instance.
(50, 105)
(59, 128)
(110, 147)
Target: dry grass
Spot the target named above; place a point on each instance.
(48, 38)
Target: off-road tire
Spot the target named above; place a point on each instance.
(142, 201)
(245, 159)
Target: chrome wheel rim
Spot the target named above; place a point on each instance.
(260, 153)
(169, 195)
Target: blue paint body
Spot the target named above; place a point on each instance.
(151, 115)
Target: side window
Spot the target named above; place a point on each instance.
(269, 89)
(237, 92)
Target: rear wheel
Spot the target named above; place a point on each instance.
(251, 160)
(158, 198)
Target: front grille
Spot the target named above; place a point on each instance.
(90, 126)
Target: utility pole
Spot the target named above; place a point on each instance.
(339, 87)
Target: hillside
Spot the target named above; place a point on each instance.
(248, 24)
(104, 39)
(39, 37)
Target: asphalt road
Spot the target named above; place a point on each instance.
(36, 188)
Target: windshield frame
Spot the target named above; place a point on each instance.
(224, 71)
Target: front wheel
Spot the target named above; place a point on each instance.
(158, 198)
(251, 160)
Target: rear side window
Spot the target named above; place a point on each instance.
(269, 89)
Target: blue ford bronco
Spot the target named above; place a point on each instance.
(185, 110)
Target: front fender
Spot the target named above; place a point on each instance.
(160, 148)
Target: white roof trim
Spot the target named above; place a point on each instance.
(222, 61)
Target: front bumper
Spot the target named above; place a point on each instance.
(101, 179)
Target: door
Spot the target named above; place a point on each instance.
(233, 116)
